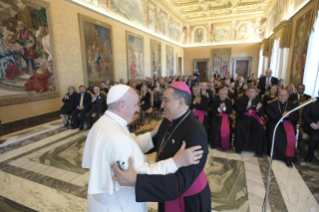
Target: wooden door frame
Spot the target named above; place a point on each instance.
(195, 61)
(249, 59)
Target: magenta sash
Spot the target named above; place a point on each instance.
(224, 129)
(291, 138)
(200, 114)
(177, 205)
(254, 114)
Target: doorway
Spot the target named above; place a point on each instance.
(242, 66)
(203, 68)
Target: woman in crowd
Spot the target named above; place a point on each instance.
(242, 90)
(290, 88)
(69, 105)
(145, 101)
(281, 84)
(271, 96)
(158, 96)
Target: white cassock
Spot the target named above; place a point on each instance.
(109, 141)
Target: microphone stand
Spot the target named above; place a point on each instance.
(273, 142)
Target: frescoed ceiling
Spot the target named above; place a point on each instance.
(199, 11)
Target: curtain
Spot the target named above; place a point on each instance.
(42, 16)
(311, 73)
(314, 16)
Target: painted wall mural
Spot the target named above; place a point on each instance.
(282, 10)
(156, 58)
(135, 55)
(300, 49)
(221, 61)
(169, 60)
(144, 13)
(27, 57)
(221, 32)
(97, 51)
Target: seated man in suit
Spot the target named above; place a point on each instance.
(266, 82)
(99, 106)
(83, 105)
(91, 87)
(104, 88)
(310, 116)
(285, 139)
(299, 97)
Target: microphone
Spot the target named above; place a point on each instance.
(309, 101)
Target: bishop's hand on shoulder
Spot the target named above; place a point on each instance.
(186, 157)
(125, 178)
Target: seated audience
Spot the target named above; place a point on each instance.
(249, 130)
(91, 88)
(158, 96)
(145, 102)
(221, 122)
(69, 105)
(290, 88)
(208, 93)
(285, 139)
(83, 105)
(199, 105)
(99, 106)
(104, 88)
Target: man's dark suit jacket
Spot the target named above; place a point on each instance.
(310, 115)
(86, 100)
(100, 101)
(293, 97)
(262, 84)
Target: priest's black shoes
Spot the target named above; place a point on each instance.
(308, 159)
(238, 152)
(73, 127)
(81, 128)
(289, 163)
(66, 124)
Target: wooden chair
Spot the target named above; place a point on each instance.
(150, 111)
(2, 140)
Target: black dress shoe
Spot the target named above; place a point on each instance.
(66, 124)
(212, 146)
(308, 159)
(288, 163)
(238, 152)
(81, 128)
(259, 155)
(73, 127)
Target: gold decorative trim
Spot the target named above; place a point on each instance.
(191, 10)
(227, 12)
(285, 23)
(242, 10)
(195, 16)
(184, 2)
(218, 7)
(247, 3)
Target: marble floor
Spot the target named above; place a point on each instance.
(40, 170)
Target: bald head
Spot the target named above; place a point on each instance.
(96, 89)
(283, 96)
(203, 86)
(126, 106)
(268, 73)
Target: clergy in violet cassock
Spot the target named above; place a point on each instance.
(199, 106)
(109, 141)
(186, 190)
(285, 139)
(249, 130)
(221, 124)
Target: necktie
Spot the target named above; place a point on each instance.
(81, 101)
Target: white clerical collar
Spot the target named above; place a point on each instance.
(116, 118)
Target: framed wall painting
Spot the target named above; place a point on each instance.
(97, 50)
(221, 59)
(156, 58)
(221, 32)
(135, 55)
(28, 70)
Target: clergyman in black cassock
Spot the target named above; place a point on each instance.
(310, 116)
(217, 118)
(249, 130)
(275, 111)
(168, 140)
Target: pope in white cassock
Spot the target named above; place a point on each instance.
(109, 141)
